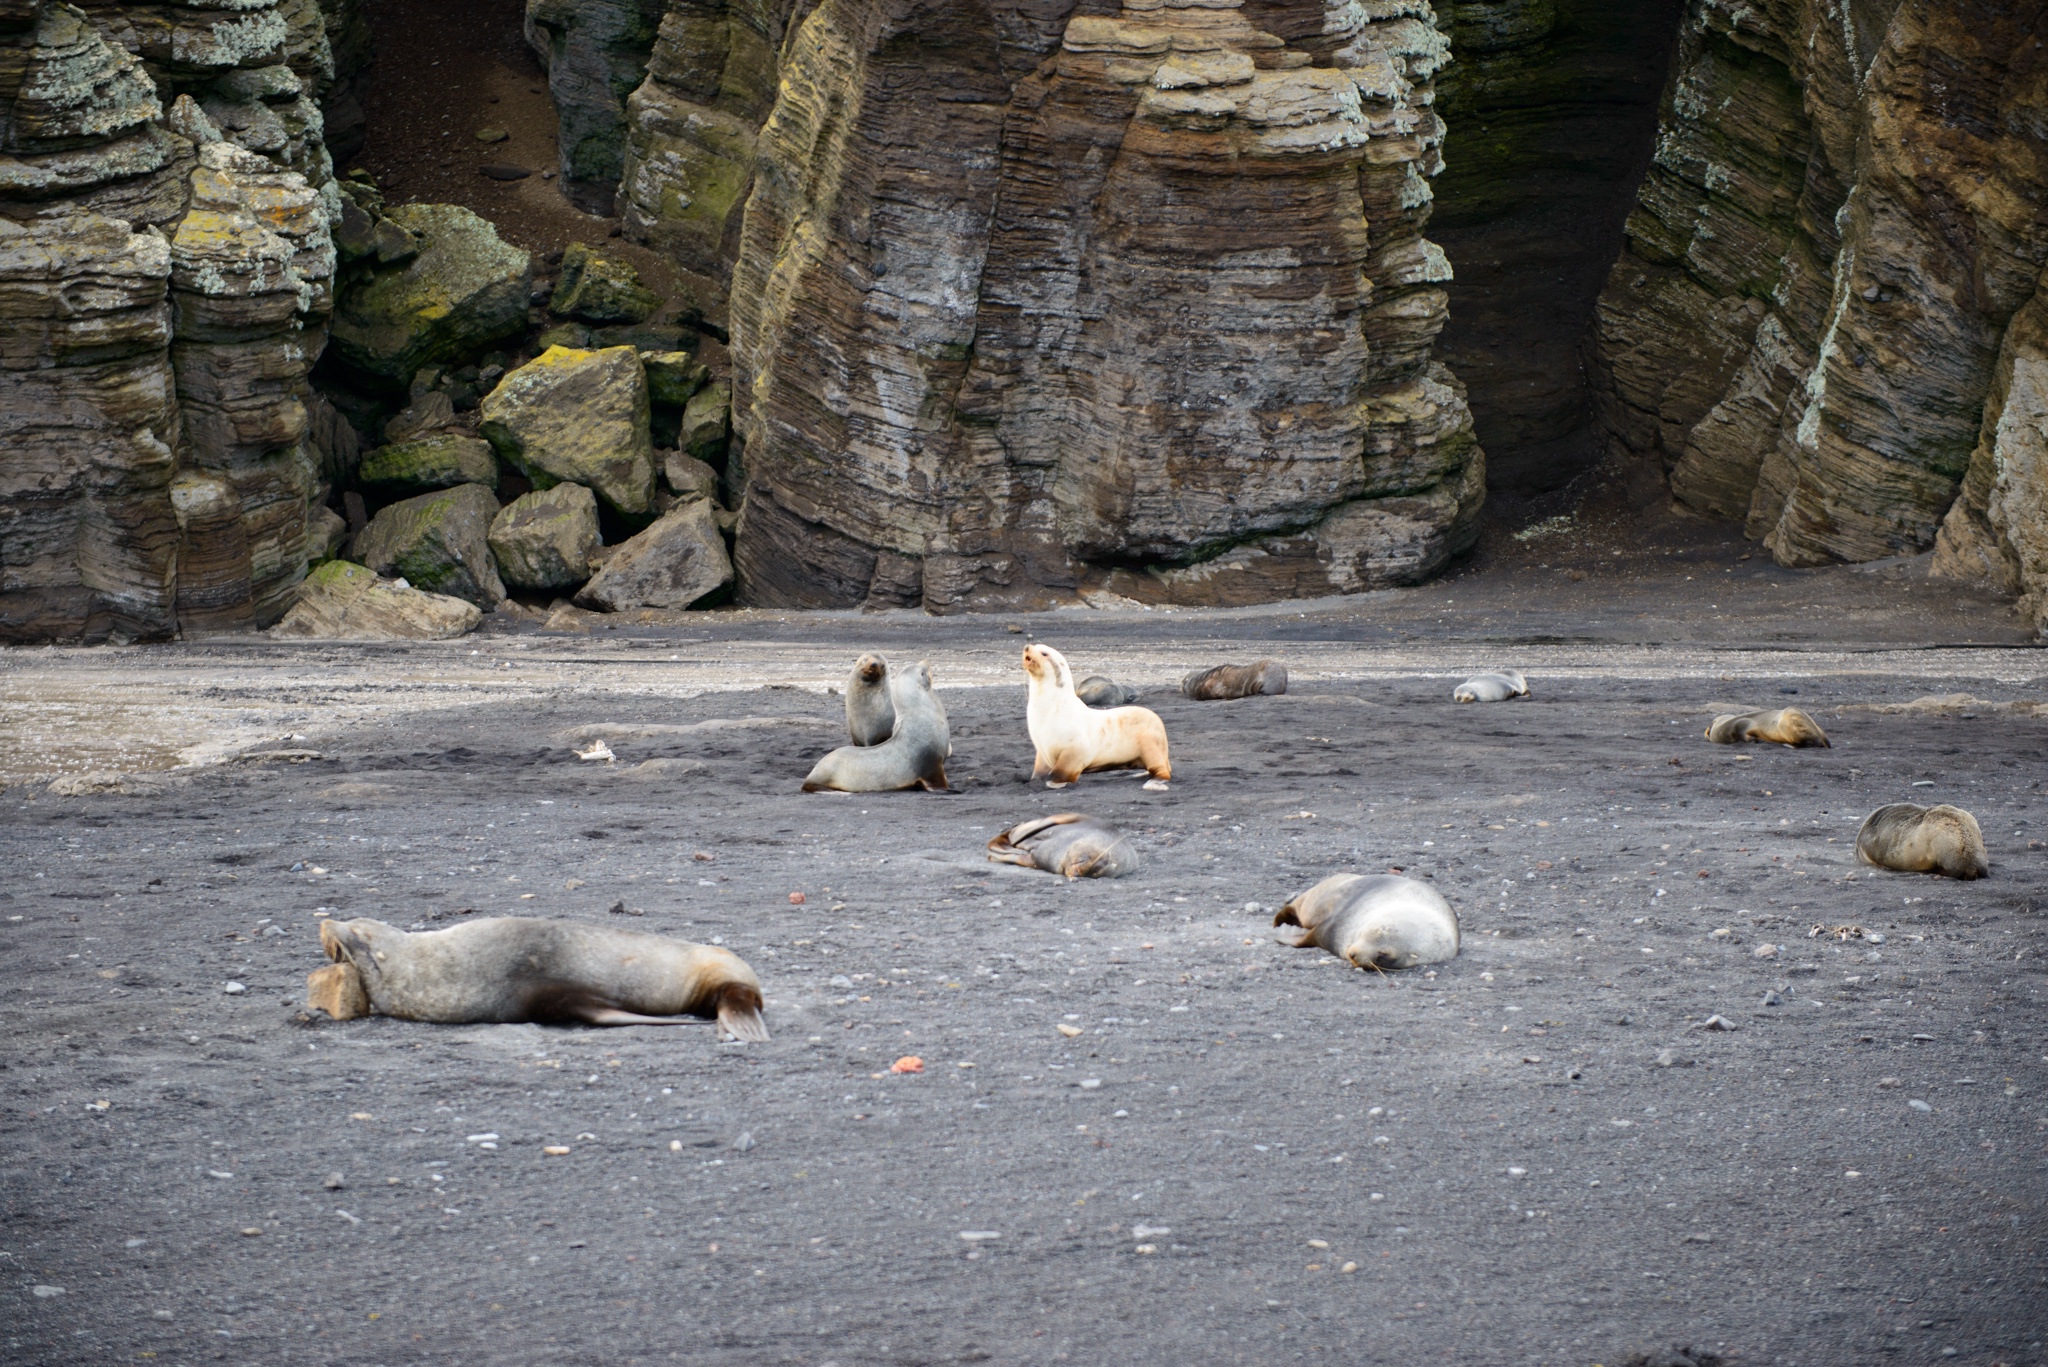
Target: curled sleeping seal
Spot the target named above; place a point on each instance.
(1785, 726)
(1374, 920)
(914, 756)
(1235, 681)
(1496, 687)
(1100, 693)
(1075, 845)
(1070, 738)
(1916, 839)
(870, 715)
(506, 969)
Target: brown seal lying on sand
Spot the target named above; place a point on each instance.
(1099, 692)
(914, 755)
(1915, 839)
(1235, 681)
(1070, 738)
(1498, 686)
(1070, 843)
(506, 969)
(1375, 920)
(1784, 726)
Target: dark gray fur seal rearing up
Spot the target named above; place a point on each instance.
(1070, 843)
(509, 969)
(914, 756)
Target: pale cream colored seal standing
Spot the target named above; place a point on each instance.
(1070, 738)
(1495, 687)
(914, 755)
(1070, 843)
(505, 969)
(1915, 839)
(1781, 726)
(870, 713)
(1375, 920)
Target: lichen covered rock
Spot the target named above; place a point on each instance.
(600, 289)
(341, 601)
(440, 461)
(464, 290)
(439, 542)
(676, 563)
(579, 417)
(545, 540)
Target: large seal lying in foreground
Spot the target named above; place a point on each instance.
(505, 969)
(1075, 845)
(870, 713)
(1374, 920)
(1785, 726)
(1916, 839)
(1496, 687)
(914, 756)
(1225, 682)
(1070, 738)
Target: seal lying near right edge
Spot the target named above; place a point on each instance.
(1784, 726)
(1070, 843)
(1915, 839)
(509, 969)
(1225, 682)
(870, 714)
(1101, 693)
(1496, 687)
(914, 756)
(1374, 920)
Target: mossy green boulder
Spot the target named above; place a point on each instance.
(463, 291)
(706, 419)
(673, 376)
(544, 540)
(577, 417)
(440, 461)
(439, 542)
(601, 289)
(348, 602)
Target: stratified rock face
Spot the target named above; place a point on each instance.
(1997, 531)
(1001, 324)
(1844, 213)
(578, 417)
(596, 54)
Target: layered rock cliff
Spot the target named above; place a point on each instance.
(1845, 212)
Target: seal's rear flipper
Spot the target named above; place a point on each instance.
(739, 1012)
(611, 1015)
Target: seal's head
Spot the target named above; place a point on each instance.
(1047, 668)
(870, 668)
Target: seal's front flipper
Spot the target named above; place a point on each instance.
(338, 990)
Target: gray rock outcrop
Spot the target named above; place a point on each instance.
(440, 461)
(438, 542)
(676, 563)
(462, 290)
(341, 601)
(544, 541)
(580, 417)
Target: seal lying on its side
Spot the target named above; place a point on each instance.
(1785, 726)
(1495, 687)
(506, 969)
(1374, 920)
(870, 714)
(914, 756)
(1225, 682)
(1916, 839)
(1070, 843)
(1101, 693)
(1069, 738)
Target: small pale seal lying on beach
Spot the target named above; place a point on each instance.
(1070, 738)
(506, 969)
(1495, 687)
(915, 754)
(1784, 726)
(1374, 920)
(1916, 839)
(870, 714)
(1101, 693)
(1225, 682)
(1070, 843)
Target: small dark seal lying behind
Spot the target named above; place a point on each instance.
(1785, 726)
(1075, 845)
(506, 969)
(914, 755)
(1235, 681)
(1099, 692)
(870, 714)
(1374, 920)
(1916, 839)
(1498, 686)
